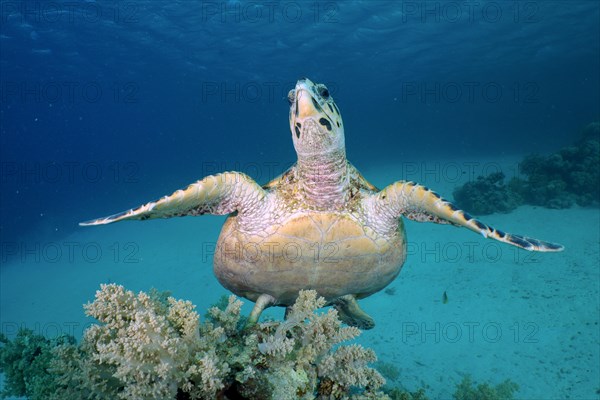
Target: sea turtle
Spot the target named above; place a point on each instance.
(321, 225)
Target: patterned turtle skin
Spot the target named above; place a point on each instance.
(321, 225)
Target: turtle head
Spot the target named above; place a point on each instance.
(315, 120)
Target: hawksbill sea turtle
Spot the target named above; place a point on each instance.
(320, 225)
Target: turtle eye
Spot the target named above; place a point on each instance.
(291, 96)
(324, 92)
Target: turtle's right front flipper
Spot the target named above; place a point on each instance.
(216, 194)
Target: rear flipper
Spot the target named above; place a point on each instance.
(351, 314)
(419, 203)
(263, 302)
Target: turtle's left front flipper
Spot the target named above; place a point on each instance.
(216, 194)
(419, 203)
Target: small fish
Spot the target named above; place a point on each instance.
(445, 297)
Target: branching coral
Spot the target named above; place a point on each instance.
(347, 368)
(155, 348)
(302, 362)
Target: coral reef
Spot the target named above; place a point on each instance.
(466, 391)
(569, 176)
(152, 346)
(487, 195)
(25, 361)
(304, 340)
(389, 371)
(400, 394)
(572, 175)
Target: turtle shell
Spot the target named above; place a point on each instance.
(334, 253)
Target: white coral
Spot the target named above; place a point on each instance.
(154, 346)
(348, 367)
(229, 317)
(276, 346)
(153, 353)
(306, 341)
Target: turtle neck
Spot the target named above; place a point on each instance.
(324, 178)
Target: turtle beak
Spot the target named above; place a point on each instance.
(305, 105)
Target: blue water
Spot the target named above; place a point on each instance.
(105, 105)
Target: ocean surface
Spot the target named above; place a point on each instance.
(107, 105)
